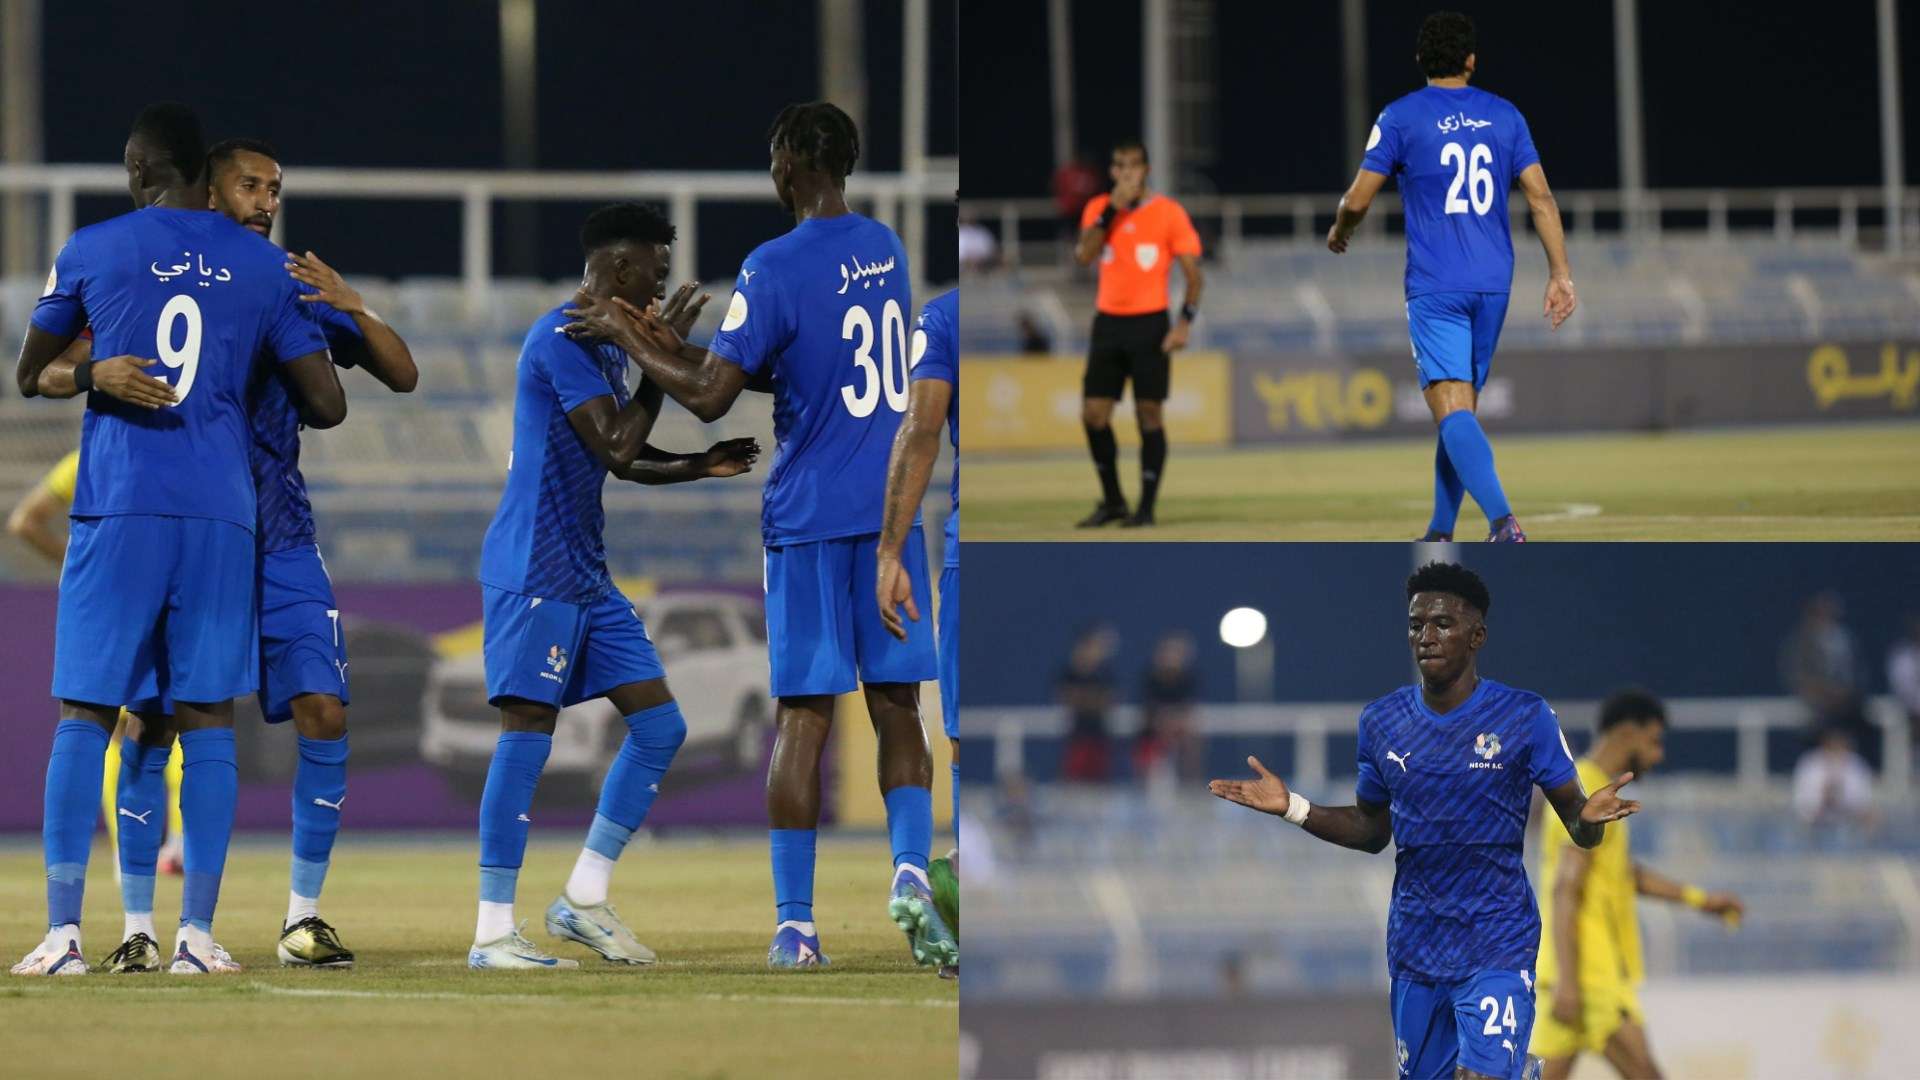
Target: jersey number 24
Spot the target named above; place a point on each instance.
(872, 381)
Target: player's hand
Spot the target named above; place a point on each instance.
(682, 310)
(893, 588)
(1266, 793)
(731, 457)
(1176, 338)
(1566, 1003)
(121, 377)
(1336, 243)
(1725, 905)
(327, 284)
(1560, 300)
(1606, 804)
(597, 319)
(652, 331)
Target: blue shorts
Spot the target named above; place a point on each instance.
(560, 654)
(154, 606)
(1483, 1022)
(302, 650)
(824, 634)
(950, 649)
(1454, 334)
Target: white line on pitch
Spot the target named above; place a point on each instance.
(455, 995)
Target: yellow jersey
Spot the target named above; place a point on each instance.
(60, 480)
(1608, 929)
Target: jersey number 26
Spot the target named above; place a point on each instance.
(858, 328)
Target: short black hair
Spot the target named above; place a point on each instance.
(1454, 580)
(1133, 143)
(1630, 704)
(222, 152)
(640, 222)
(173, 129)
(820, 134)
(1446, 40)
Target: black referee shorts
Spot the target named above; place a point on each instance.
(1128, 346)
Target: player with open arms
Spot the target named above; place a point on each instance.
(822, 311)
(1137, 235)
(1456, 151)
(157, 596)
(931, 404)
(557, 631)
(1447, 769)
(1590, 957)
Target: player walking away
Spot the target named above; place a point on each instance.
(32, 521)
(1447, 769)
(1456, 151)
(1590, 928)
(1136, 234)
(836, 284)
(157, 595)
(557, 631)
(931, 402)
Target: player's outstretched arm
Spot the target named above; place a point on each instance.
(730, 457)
(322, 401)
(1649, 882)
(1364, 827)
(382, 353)
(1585, 816)
(703, 383)
(909, 468)
(1353, 208)
(1553, 239)
(32, 521)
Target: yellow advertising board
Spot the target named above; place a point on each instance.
(1033, 403)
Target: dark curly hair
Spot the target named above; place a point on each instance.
(173, 129)
(1445, 42)
(1630, 704)
(640, 222)
(819, 134)
(1454, 580)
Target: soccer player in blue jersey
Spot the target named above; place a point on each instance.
(931, 403)
(1456, 151)
(823, 312)
(557, 630)
(157, 595)
(1447, 769)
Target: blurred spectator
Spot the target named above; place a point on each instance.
(1085, 687)
(1074, 183)
(1014, 814)
(1903, 674)
(1819, 666)
(1169, 749)
(978, 249)
(1033, 339)
(1832, 786)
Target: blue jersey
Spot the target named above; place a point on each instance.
(285, 514)
(1458, 786)
(547, 538)
(205, 297)
(1456, 153)
(824, 309)
(936, 355)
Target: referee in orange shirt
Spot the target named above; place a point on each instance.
(1136, 234)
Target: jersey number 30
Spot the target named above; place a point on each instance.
(858, 328)
(1468, 171)
(185, 359)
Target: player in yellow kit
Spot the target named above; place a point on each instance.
(1587, 920)
(32, 521)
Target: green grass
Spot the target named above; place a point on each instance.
(411, 1008)
(1838, 482)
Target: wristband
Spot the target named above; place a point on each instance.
(83, 376)
(1107, 215)
(1297, 807)
(1188, 311)
(1694, 896)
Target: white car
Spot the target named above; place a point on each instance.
(714, 647)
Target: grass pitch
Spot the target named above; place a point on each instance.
(1834, 482)
(411, 1008)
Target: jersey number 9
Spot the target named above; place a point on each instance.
(858, 327)
(1478, 181)
(185, 359)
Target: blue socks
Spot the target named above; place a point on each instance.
(319, 787)
(209, 787)
(910, 824)
(633, 782)
(1467, 448)
(793, 873)
(74, 771)
(141, 807)
(518, 759)
(1447, 491)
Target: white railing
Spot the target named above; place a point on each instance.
(898, 199)
(1313, 725)
(1694, 211)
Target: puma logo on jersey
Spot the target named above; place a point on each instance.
(141, 818)
(1398, 759)
(746, 276)
(333, 806)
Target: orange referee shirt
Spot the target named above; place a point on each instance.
(1139, 253)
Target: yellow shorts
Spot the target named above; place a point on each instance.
(1604, 1006)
